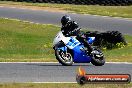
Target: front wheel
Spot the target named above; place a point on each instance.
(98, 58)
(64, 58)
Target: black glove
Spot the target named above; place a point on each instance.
(69, 33)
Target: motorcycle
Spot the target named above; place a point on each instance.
(69, 50)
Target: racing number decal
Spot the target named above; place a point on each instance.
(72, 43)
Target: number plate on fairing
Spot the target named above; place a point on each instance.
(73, 42)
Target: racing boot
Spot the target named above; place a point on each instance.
(89, 50)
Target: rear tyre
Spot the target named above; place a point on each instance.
(98, 58)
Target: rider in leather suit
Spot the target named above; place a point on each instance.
(71, 28)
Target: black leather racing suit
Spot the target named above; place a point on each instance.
(72, 29)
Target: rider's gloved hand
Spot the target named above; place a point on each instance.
(83, 36)
(69, 33)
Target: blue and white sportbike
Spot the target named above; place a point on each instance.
(69, 50)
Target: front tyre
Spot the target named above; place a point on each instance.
(98, 58)
(64, 58)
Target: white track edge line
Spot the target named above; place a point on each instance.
(120, 62)
(31, 22)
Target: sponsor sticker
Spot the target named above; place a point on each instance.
(83, 78)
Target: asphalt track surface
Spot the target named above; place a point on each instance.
(55, 72)
(97, 23)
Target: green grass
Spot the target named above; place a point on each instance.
(24, 41)
(121, 54)
(62, 85)
(113, 11)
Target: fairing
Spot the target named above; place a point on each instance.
(79, 55)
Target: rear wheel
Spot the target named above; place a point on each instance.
(98, 58)
(65, 58)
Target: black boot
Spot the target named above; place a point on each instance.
(89, 49)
